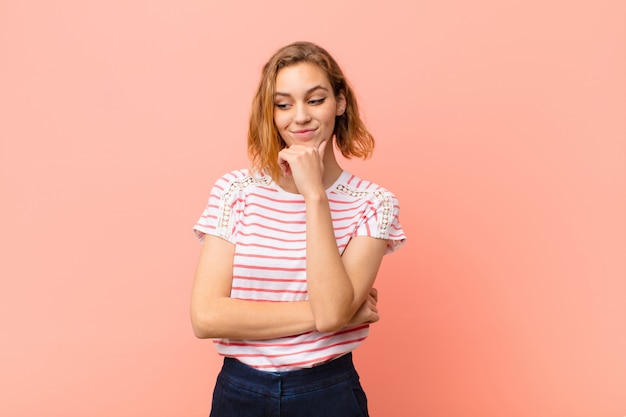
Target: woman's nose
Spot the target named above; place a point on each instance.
(302, 114)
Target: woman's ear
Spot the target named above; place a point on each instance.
(341, 104)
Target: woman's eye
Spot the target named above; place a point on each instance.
(317, 102)
(282, 106)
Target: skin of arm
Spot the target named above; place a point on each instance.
(215, 315)
(337, 284)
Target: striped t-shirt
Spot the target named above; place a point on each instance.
(267, 225)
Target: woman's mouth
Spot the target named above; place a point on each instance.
(303, 133)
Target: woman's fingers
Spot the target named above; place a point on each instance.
(367, 313)
(304, 164)
(284, 166)
(321, 152)
(374, 293)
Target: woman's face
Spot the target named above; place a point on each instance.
(305, 105)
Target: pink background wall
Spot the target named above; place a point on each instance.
(501, 127)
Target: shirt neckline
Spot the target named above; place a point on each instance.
(333, 186)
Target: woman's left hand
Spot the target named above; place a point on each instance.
(305, 164)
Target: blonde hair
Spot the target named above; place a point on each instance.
(264, 142)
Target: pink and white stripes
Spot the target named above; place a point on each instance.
(267, 225)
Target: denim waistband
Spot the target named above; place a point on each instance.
(290, 382)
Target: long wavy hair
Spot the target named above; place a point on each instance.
(264, 142)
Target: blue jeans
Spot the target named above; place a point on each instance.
(328, 390)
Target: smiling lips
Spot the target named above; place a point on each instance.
(303, 133)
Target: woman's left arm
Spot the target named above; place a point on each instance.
(337, 284)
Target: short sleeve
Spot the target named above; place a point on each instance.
(219, 216)
(381, 220)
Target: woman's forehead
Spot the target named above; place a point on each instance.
(301, 77)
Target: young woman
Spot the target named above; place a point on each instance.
(291, 249)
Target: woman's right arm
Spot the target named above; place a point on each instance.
(215, 315)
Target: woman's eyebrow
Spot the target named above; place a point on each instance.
(309, 91)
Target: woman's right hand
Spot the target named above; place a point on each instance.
(368, 312)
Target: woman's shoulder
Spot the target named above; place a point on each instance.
(356, 186)
(234, 175)
(240, 179)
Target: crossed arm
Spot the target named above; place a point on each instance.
(339, 286)
(344, 295)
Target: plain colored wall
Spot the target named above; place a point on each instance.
(500, 125)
